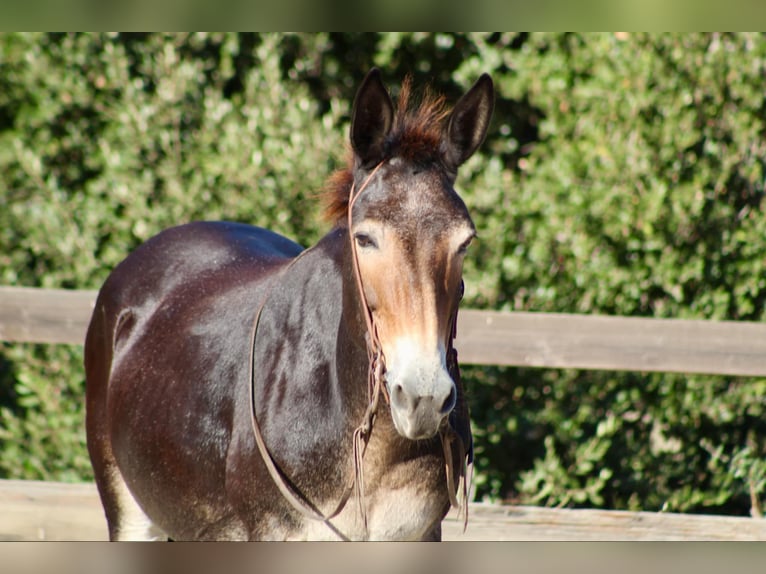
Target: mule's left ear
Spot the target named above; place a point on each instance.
(468, 122)
(371, 119)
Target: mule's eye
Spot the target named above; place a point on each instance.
(364, 241)
(464, 246)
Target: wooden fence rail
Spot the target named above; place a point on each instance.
(31, 510)
(484, 337)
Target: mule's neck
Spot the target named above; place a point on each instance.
(311, 337)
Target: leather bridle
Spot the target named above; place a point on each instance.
(362, 433)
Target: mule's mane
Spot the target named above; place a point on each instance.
(415, 136)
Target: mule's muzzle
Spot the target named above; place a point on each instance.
(420, 416)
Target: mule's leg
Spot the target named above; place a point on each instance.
(125, 518)
(433, 535)
(127, 521)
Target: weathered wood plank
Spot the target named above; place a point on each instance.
(32, 510)
(29, 315)
(614, 343)
(526, 523)
(484, 337)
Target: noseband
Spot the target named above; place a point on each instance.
(362, 433)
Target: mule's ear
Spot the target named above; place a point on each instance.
(468, 122)
(371, 119)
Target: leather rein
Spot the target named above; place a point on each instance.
(362, 433)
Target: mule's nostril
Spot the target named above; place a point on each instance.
(397, 394)
(404, 400)
(450, 401)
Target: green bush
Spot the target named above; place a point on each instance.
(624, 174)
(641, 194)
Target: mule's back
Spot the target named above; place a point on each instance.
(162, 295)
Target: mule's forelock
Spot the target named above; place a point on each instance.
(417, 131)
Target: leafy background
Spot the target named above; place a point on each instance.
(623, 174)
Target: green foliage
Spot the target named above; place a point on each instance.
(42, 432)
(641, 194)
(624, 174)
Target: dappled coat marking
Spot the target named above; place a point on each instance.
(167, 353)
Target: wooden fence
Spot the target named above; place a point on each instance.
(484, 337)
(30, 510)
(33, 510)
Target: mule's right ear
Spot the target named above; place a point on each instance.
(371, 119)
(468, 122)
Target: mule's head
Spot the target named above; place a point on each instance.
(411, 231)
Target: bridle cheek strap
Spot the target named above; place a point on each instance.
(450, 436)
(374, 348)
(376, 362)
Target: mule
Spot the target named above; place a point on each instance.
(239, 387)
